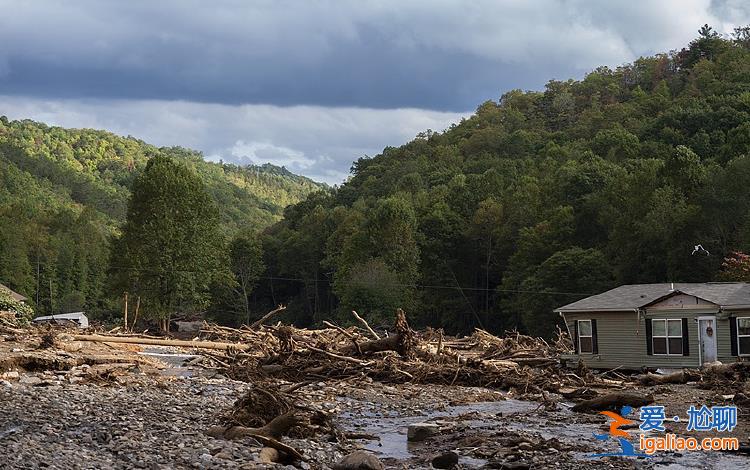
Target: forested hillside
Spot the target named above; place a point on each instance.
(64, 195)
(536, 200)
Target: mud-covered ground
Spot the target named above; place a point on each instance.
(154, 415)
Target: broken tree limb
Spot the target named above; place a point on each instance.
(160, 342)
(238, 432)
(337, 356)
(268, 315)
(268, 435)
(385, 344)
(403, 342)
(365, 324)
(271, 442)
(345, 333)
(614, 401)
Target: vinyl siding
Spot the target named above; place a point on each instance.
(622, 339)
(723, 338)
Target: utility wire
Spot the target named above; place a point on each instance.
(415, 286)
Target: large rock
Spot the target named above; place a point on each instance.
(359, 460)
(446, 460)
(420, 431)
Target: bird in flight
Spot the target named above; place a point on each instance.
(699, 249)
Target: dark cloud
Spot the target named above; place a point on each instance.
(316, 84)
(448, 55)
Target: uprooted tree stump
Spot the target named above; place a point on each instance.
(614, 401)
(275, 428)
(259, 406)
(404, 341)
(268, 435)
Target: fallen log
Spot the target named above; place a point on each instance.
(614, 401)
(403, 342)
(267, 435)
(378, 345)
(681, 377)
(160, 342)
(533, 361)
(275, 428)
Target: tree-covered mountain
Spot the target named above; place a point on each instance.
(64, 194)
(536, 200)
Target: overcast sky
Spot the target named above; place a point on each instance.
(312, 84)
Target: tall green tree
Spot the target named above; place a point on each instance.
(171, 247)
(246, 262)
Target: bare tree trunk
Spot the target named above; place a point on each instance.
(137, 307)
(125, 311)
(246, 301)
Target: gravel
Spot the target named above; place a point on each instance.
(143, 423)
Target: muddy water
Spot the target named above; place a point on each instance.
(513, 416)
(174, 361)
(391, 427)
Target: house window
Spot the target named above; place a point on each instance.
(666, 336)
(743, 335)
(585, 336)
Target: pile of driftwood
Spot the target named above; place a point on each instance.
(516, 362)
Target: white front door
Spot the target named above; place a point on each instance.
(707, 329)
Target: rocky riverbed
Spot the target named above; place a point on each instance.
(115, 406)
(138, 420)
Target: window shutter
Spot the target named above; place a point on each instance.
(649, 350)
(594, 338)
(685, 338)
(733, 335)
(575, 337)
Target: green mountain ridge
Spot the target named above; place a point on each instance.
(64, 193)
(536, 200)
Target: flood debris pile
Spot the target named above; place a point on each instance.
(294, 387)
(269, 413)
(523, 364)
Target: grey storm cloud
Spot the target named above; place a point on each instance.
(446, 55)
(312, 85)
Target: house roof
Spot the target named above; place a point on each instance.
(633, 296)
(14, 295)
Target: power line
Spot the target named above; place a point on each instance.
(415, 286)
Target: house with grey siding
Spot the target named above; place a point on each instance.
(670, 325)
